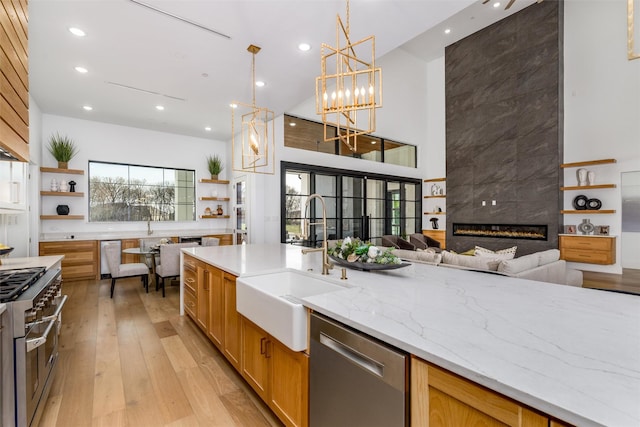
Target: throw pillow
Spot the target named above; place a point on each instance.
(471, 252)
(508, 253)
(482, 263)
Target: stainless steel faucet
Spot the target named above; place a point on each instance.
(149, 230)
(326, 264)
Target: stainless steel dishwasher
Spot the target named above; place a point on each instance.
(355, 380)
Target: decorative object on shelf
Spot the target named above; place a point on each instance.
(63, 149)
(354, 253)
(438, 209)
(4, 251)
(214, 165)
(591, 178)
(602, 230)
(580, 202)
(594, 204)
(62, 209)
(511, 2)
(54, 184)
(585, 227)
(434, 223)
(253, 143)
(207, 211)
(72, 186)
(582, 176)
(434, 190)
(355, 84)
(64, 187)
(569, 229)
(219, 210)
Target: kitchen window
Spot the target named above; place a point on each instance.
(357, 205)
(124, 192)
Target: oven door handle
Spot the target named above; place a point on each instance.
(54, 316)
(34, 343)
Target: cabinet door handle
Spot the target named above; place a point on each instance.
(190, 280)
(262, 345)
(267, 349)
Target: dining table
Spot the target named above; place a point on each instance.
(149, 255)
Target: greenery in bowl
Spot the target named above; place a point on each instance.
(62, 148)
(355, 250)
(214, 164)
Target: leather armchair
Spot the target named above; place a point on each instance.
(397, 242)
(421, 241)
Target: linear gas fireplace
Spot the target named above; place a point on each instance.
(502, 231)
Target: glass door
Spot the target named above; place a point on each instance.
(240, 211)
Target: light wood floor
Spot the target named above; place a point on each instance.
(133, 361)
(628, 281)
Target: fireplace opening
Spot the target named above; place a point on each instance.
(502, 231)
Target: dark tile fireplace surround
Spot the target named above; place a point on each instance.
(504, 130)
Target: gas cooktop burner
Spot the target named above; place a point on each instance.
(15, 282)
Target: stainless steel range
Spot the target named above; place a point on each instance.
(30, 348)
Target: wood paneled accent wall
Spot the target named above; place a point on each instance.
(14, 78)
(504, 126)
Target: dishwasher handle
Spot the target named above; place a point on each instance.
(354, 356)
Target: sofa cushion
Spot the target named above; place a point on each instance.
(547, 257)
(518, 265)
(420, 256)
(508, 253)
(482, 263)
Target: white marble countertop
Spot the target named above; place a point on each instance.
(570, 352)
(139, 234)
(29, 262)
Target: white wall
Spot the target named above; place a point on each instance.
(602, 105)
(112, 143)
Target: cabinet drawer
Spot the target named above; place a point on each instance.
(190, 303)
(591, 243)
(71, 258)
(190, 280)
(588, 256)
(84, 271)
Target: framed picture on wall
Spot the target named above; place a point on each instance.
(569, 229)
(602, 230)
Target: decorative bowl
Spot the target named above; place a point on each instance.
(5, 253)
(367, 266)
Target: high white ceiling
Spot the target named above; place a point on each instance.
(195, 74)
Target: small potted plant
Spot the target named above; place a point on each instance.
(62, 148)
(214, 164)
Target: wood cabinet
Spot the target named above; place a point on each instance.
(81, 260)
(231, 322)
(441, 398)
(128, 244)
(14, 79)
(203, 295)
(280, 376)
(216, 305)
(439, 235)
(225, 239)
(588, 249)
(190, 280)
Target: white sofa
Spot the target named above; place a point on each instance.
(544, 266)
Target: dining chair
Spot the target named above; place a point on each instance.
(210, 241)
(121, 271)
(169, 266)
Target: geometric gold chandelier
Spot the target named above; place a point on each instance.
(349, 88)
(253, 141)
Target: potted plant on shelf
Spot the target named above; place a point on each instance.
(63, 149)
(214, 164)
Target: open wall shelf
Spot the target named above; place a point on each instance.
(58, 170)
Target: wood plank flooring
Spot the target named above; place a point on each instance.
(628, 281)
(133, 361)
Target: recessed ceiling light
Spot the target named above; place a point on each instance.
(87, 107)
(260, 83)
(159, 107)
(292, 124)
(496, 4)
(77, 32)
(208, 128)
(233, 105)
(447, 31)
(304, 47)
(374, 142)
(81, 70)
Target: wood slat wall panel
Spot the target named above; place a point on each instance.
(12, 77)
(9, 138)
(17, 56)
(9, 93)
(19, 26)
(13, 119)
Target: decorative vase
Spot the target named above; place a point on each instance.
(72, 186)
(219, 210)
(434, 223)
(582, 176)
(62, 209)
(207, 211)
(591, 178)
(64, 187)
(63, 165)
(585, 227)
(54, 185)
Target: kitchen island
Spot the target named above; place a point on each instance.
(569, 352)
